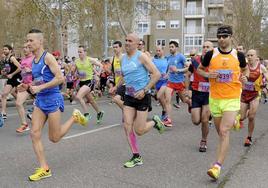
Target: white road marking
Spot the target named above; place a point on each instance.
(91, 131)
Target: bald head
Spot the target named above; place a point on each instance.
(207, 46)
(159, 51)
(134, 36)
(132, 42)
(252, 56)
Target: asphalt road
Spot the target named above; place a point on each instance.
(94, 156)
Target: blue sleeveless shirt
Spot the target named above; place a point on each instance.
(136, 76)
(42, 74)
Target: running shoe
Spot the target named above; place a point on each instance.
(4, 116)
(248, 142)
(203, 146)
(134, 161)
(167, 122)
(23, 128)
(214, 172)
(210, 124)
(158, 124)
(1, 121)
(39, 174)
(241, 124)
(236, 126)
(79, 117)
(99, 117)
(29, 116)
(176, 105)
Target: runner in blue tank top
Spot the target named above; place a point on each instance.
(161, 64)
(176, 68)
(136, 67)
(48, 103)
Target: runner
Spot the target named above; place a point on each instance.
(224, 64)
(177, 67)
(135, 68)
(117, 88)
(250, 97)
(48, 103)
(141, 47)
(161, 64)
(200, 94)
(26, 74)
(11, 71)
(84, 67)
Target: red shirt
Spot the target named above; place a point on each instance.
(199, 83)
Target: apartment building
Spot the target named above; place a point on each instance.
(189, 22)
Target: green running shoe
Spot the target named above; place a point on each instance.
(134, 161)
(99, 117)
(159, 125)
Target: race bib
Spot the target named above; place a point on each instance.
(130, 91)
(249, 86)
(7, 68)
(203, 86)
(118, 72)
(38, 81)
(163, 76)
(26, 77)
(225, 76)
(82, 75)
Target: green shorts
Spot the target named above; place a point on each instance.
(218, 106)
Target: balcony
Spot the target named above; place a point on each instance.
(211, 35)
(193, 30)
(215, 3)
(194, 12)
(212, 19)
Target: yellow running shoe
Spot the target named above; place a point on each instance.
(79, 117)
(40, 173)
(236, 126)
(214, 172)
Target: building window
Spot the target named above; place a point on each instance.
(193, 42)
(143, 7)
(143, 27)
(174, 24)
(161, 42)
(174, 5)
(160, 25)
(161, 6)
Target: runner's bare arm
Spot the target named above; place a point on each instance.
(264, 72)
(155, 74)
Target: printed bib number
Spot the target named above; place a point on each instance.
(203, 86)
(225, 76)
(38, 81)
(7, 68)
(82, 75)
(118, 72)
(249, 86)
(130, 91)
(172, 68)
(163, 76)
(26, 77)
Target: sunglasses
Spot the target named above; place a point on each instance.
(192, 55)
(222, 36)
(205, 46)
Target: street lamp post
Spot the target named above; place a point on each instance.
(105, 29)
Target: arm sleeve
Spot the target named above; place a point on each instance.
(241, 59)
(207, 58)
